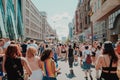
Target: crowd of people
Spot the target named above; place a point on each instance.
(30, 60)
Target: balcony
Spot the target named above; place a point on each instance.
(105, 9)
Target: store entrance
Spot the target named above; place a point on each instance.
(114, 38)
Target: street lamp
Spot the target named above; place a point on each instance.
(91, 32)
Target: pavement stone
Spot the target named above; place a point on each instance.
(79, 74)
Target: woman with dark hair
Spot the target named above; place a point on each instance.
(2, 41)
(48, 65)
(108, 63)
(14, 63)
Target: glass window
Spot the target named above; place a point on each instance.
(99, 4)
(111, 20)
(81, 1)
(103, 1)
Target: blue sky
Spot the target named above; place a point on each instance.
(59, 13)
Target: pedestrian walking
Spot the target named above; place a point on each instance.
(35, 63)
(86, 59)
(48, 65)
(98, 53)
(24, 48)
(63, 52)
(14, 63)
(108, 62)
(76, 54)
(71, 59)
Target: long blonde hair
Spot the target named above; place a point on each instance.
(31, 51)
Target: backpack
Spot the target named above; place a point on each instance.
(88, 59)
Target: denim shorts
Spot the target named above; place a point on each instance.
(86, 66)
(1, 73)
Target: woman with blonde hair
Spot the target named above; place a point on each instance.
(34, 62)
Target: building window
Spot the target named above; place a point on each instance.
(112, 19)
(27, 3)
(81, 26)
(85, 19)
(27, 12)
(95, 7)
(103, 1)
(80, 15)
(99, 4)
(81, 1)
(88, 20)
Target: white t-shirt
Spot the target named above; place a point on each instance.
(85, 53)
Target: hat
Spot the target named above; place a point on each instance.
(107, 42)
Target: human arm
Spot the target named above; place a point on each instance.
(26, 66)
(98, 63)
(3, 64)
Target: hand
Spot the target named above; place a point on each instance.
(81, 62)
(58, 69)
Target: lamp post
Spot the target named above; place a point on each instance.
(91, 32)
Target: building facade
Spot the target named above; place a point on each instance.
(82, 20)
(36, 25)
(11, 19)
(32, 20)
(70, 26)
(21, 20)
(106, 18)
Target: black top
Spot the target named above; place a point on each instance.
(108, 68)
(70, 52)
(1, 59)
(24, 48)
(14, 72)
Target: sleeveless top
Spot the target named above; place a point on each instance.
(1, 59)
(14, 68)
(108, 68)
(70, 54)
(47, 68)
(109, 76)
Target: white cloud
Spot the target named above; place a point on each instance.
(60, 23)
(61, 16)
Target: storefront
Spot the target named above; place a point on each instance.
(114, 26)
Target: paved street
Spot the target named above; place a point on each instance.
(79, 74)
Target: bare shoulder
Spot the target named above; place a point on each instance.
(37, 57)
(52, 61)
(23, 60)
(101, 57)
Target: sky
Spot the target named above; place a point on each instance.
(59, 13)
